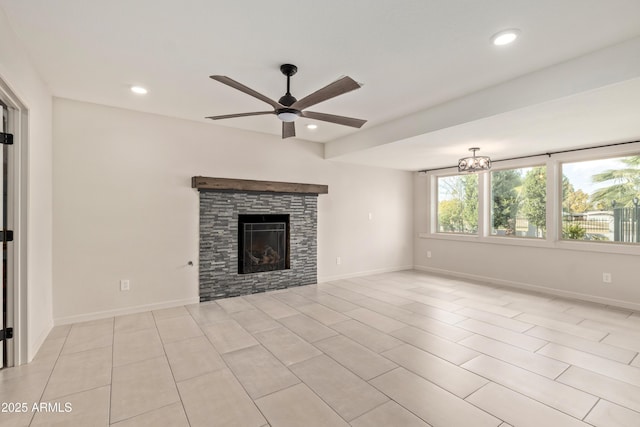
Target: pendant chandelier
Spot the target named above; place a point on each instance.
(474, 163)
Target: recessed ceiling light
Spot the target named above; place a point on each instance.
(139, 90)
(505, 37)
(312, 126)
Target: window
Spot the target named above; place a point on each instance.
(600, 200)
(518, 202)
(458, 204)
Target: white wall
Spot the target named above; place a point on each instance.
(18, 73)
(124, 208)
(556, 270)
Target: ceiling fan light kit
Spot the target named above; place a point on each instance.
(288, 108)
(288, 114)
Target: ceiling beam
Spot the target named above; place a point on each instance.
(614, 64)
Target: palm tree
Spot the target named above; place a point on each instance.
(625, 186)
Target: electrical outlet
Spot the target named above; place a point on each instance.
(338, 260)
(124, 285)
(606, 278)
(428, 254)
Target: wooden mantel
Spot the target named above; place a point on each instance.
(204, 183)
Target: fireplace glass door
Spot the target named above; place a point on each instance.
(263, 243)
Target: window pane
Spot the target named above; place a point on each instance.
(458, 204)
(518, 202)
(600, 200)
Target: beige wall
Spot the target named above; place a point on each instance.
(556, 270)
(20, 76)
(124, 208)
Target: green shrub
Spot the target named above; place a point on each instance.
(574, 232)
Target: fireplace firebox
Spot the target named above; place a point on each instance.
(263, 243)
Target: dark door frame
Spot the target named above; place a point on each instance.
(14, 217)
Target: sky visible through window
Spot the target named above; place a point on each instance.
(580, 173)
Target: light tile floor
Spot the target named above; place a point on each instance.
(397, 349)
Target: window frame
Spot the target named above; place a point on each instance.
(553, 237)
(437, 203)
(490, 200)
(616, 247)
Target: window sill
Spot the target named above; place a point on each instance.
(605, 247)
(610, 248)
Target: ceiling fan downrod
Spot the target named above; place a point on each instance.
(288, 70)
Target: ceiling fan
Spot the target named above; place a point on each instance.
(288, 108)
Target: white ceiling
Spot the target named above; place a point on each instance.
(411, 56)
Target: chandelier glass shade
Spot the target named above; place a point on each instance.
(474, 163)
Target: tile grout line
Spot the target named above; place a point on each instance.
(588, 340)
(287, 368)
(592, 408)
(507, 362)
(394, 401)
(448, 392)
(486, 385)
(113, 348)
(144, 413)
(164, 351)
(294, 374)
(227, 365)
(495, 339)
(532, 398)
(560, 374)
(51, 373)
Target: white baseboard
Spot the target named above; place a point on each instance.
(363, 273)
(34, 347)
(122, 311)
(531, 287)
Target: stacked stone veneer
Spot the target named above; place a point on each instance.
(219, 277)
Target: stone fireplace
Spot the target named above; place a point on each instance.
(256, 236)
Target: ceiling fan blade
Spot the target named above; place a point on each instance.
(242, 88)
(341, 120)
(288, 130)
(340, 86)
(231, 116)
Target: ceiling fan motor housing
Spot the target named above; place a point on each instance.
(287, 99)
